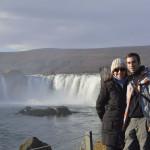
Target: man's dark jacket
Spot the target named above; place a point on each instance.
(135, 110)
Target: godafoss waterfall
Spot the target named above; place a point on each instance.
(77, 91)
(72, 89)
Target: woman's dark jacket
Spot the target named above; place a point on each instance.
(110, 107)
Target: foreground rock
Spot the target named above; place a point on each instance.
(34, 142)
(57, 111)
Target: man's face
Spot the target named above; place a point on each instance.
(132, 64)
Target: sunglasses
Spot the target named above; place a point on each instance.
(119, 69)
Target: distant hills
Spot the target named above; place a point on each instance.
(48, 60)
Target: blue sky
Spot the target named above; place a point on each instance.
(31, 24)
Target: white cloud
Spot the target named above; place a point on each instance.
(5, 15)
(20, 47)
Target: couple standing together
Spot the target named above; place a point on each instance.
(123, 105)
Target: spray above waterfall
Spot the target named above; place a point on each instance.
(59, 89)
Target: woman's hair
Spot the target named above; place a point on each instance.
(105, 73)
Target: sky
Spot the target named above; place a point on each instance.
(33, 24)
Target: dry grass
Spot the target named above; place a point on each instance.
(66, 61)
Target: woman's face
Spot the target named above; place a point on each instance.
(119, 73)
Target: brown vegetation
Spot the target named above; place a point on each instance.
(52, 61)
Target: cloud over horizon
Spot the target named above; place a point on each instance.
(33, 24)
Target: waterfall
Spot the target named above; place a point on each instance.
(59, 89)
(3, 88)
(79, 89)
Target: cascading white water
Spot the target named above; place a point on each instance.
(59, 89)
(78, 89)
(3, 87)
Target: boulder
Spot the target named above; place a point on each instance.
(58, 111)
(38, 112)
(63, 111)
(43, 112)
(25, 110)
(34, 142)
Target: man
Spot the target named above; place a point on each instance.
(136, 134)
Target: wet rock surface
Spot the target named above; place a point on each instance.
(49, 111)
(34, 143)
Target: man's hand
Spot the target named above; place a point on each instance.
(146, 80)
(148, 125)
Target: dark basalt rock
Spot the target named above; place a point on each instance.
(57, 111)
(63, 111)
(34, 142)
(26, 110)
(38, 112)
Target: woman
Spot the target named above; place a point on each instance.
(111, 105)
